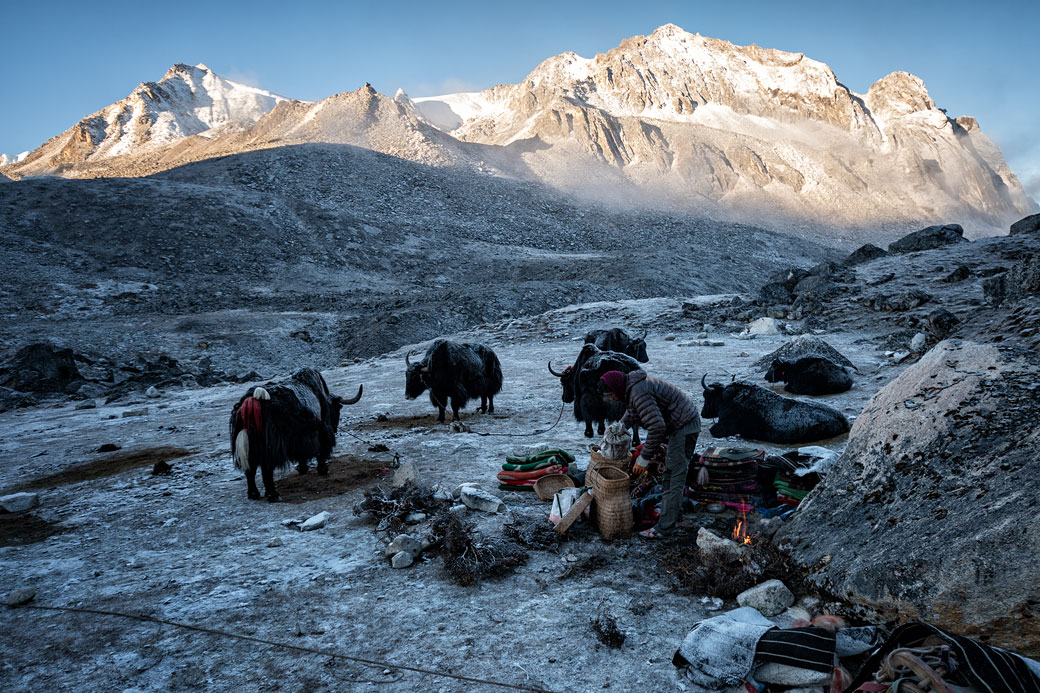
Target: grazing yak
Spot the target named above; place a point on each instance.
(280, 423)
(454, 371)
(616, 339)
(582, 387)
(753, 412)
(810, 375)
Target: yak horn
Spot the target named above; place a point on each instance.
(558, 375)
(353, 400)
(703, 378)
(407, 362)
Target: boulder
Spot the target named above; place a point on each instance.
(1021, 279)
(763, 326)
(404, 543)
(19, 502)
(774, 293)
(814, 284)
(930, 513)
(918, 343)
(402, 559)
(769, 598)
(801, 346)
(481, 500)
(958, 274)
(941, 323)
(865, 253)
(711, 544)
(929, 238)
(897, 303)
(12, 399)
(1030, 224)
(789, 277)
(407, 473)
(315, 522)
(40, 367)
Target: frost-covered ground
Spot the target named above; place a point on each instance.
(190, 548)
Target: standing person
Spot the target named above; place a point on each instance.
(668, 415)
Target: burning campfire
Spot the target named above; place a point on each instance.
(740, 534)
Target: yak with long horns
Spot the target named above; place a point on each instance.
(280, 423)
(454, 373)
(581, 386)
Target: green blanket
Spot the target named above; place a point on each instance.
(562, 456)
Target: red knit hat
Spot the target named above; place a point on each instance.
(615, 380)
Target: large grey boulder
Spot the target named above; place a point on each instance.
(931, 511)
(928, 238)
(802, 346)
(865, 253)
(40, 367)
(1030, 224)
(1021, 279)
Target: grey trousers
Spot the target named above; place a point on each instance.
(681, 445)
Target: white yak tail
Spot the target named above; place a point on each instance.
(242, 450)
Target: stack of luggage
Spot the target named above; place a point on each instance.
(732, 477)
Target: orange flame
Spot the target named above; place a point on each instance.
(740, 534)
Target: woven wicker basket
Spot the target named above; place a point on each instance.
(598, 460)
(548, 485)
(611, 503)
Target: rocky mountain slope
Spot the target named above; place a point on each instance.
(685, 117)
(323, 253)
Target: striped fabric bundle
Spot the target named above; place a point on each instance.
(732, 477)
(519, 473)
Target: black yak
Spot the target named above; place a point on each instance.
(810, 375)
(280, 423)
(753, 412)
(581, 386)
(455, 372)
(616, 339)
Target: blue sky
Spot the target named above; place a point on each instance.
(65, 60)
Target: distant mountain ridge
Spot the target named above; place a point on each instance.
(667, 120)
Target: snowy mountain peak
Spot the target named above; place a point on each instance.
(899, 94)
(188, 100)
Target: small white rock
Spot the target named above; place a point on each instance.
(918, 342)
(316, 522)
(402, 560)
(764, 326)
(481, 500)
(277, 541)
(405, 543)
(458, 489)
(769, 598)
(710, 543)
(18, 502)
(152, 392)
(458, 509)
(415, 518)
(407, 472)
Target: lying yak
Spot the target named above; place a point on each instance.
(616, 339)
(582, 387)
(455, 372)
(280, 423)
(753, 412)
(810, 375)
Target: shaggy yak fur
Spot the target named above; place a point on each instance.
(616, 339)
(280, 423)
(753, 412)
(455, 372)
(810, 375)
(582, 387)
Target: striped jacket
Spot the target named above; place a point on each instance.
(658, 407)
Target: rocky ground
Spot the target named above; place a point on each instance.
(323, 286)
